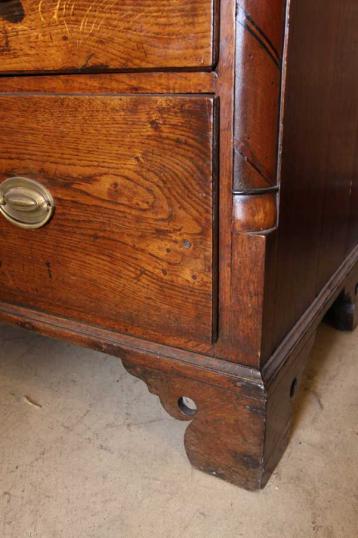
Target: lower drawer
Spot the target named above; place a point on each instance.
(131, 244)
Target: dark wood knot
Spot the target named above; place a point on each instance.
(12, 11)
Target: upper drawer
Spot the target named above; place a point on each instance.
(131, 245)
(72, 35)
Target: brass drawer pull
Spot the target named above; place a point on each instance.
(25, 202)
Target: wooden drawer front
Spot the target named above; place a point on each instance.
(130, 246)
(68, 35)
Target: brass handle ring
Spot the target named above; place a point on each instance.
(25, 202)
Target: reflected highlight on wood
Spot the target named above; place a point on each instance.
(203, 159)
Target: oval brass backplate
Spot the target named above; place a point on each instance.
(25, 202)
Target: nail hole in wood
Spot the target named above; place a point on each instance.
(293, 388)
(187, 406)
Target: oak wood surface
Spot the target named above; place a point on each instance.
(258, 69)
(72, 35)
(259, 48)
(243, 417)
(319, 165)
(222, 83)
(131, 244)
(175, 244)
(114, 83)
(235, 274)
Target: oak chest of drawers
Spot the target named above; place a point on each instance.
(178, 187)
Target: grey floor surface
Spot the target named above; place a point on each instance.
(87, 452)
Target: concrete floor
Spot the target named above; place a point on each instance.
(87, 452)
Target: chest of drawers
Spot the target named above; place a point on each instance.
(178, 188)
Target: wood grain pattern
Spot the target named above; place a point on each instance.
(243, 417)
(259, 48)
(249, 250)
(259, 44)
(254, 213)
(72, 35)
(226, 345)
(168, 248)
(214, 439)
(131, 244)
(319, 168)
(114, 83)
(220, 83)
(253, 225)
